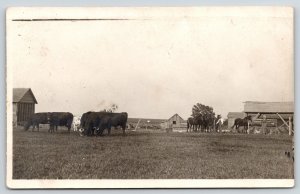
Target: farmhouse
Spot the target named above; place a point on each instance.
(232, 116)
(280, 113)
(23, 105)
(174, 123)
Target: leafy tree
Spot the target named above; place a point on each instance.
(112, 108)
(203, 111)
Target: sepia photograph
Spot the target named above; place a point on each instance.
(150, 97)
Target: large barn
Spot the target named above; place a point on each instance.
(174, 123)
(279, 113)
(23, 105)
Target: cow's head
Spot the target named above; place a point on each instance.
(81, 131)
(27, 125)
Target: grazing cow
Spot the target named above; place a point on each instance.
(103, 120)
(36, 119)
(242, 122)
(89, 122)
(118, 119)
(109, 120)
(60, 119)
(83, 119)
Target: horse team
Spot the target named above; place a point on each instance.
(91, 123)
(206, 124)
(199, 123)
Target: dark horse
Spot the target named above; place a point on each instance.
(194, 123)
(242, 122)
(190, 124)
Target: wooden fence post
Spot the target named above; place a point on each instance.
(290, 126)
(248, 130)
(137, 124)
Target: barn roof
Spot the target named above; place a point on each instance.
(178, 116)
(236, 115)
(274, 115)
(268, 107)
(18, 94)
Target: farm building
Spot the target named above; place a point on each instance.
(279, 113)
(23, 104)
(232, 116)
(174, 123)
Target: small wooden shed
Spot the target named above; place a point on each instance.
(175, 122)
(23, 105)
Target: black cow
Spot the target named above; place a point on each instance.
(60, 119)
(83, 119)
(36, 119)
(114, 120)
(103, 120)
(90, 121)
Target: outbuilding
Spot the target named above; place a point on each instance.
(281, 112)
(23, 105)
(175, 123)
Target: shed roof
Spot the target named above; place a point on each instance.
(268, 107)
(274, 115)
(18, 94)
(236, 115)
(182, 120)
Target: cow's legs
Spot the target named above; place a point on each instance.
(124, 127)
(100, 130)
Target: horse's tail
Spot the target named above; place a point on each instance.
(233, 124)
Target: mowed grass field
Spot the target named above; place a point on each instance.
(149, 155)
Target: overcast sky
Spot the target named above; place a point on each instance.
(154, 65)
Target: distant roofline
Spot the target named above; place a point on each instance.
(268, 102)
(174, 115)
(269, 112)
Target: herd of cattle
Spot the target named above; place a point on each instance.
(90, 123)
(94, 123)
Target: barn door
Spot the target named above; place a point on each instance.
(25, 110)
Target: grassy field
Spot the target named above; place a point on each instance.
(41, 155)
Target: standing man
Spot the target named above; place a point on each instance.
(219, 123)
(264, 125)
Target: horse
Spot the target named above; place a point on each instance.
(194, 123)
(242, 122)
(190, 124)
